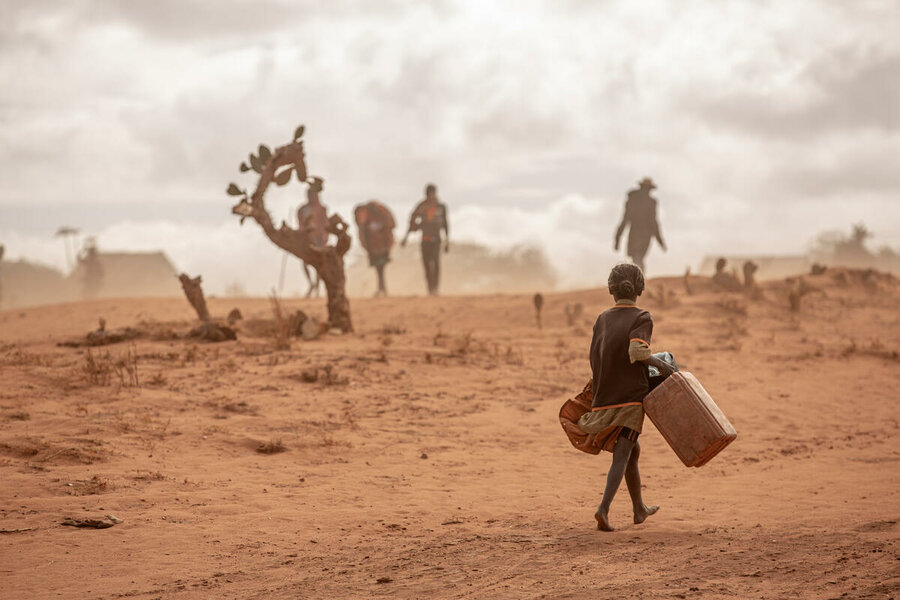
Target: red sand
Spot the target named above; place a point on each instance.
(439, 467)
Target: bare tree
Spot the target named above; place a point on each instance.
(327, 260)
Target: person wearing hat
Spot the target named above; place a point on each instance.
(430, 217)
(640, 218)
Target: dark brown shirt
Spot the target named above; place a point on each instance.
(617, 380)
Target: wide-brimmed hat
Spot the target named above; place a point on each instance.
(647, 183)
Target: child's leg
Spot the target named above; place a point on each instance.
(633, 481)
(621, 453)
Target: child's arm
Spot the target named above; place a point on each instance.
(639, 351)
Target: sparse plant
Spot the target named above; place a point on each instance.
(273, 446)
(462, 344)
(514, 357)
(158, 380)
(733, 306)
(97, 369)
(282, 330)
(126, 368)
(329, 376)
(190, 354)
(392, 329)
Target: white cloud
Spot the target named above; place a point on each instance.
(534, 118)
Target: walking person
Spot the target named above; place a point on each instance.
(640, 218)
(376, 234)
(430, 217)
(620, 358)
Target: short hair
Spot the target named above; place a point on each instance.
(430, 188)
(626, 281)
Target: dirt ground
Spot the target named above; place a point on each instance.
(426, 460)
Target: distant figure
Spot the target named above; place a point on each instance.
(313, 217)
(430, 216)
(92, 273)
(724, 279)
(376, 234)
(640, 216)
(538, 305)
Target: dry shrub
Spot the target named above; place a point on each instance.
(392, 329)
(282, 330)
(329, 376)
(102, 368)
(18, 358)
(42, 451)
(875, 348)
(514, 357)
(733, 306)
(97, 369)
(326, 375)
(149, 476)
(271, 447)
(94, 485)
(462, 345)
(158, 380)
(241, 408)
(191, 353)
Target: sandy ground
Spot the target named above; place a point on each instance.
(429, 461)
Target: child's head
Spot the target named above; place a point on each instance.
(626, 282)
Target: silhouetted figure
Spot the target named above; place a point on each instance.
(313, 216)
(640, 217)
(430, 217)
(724, 279)
(376, 234)
(92, 270)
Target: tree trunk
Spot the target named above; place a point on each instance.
(194, 293)
(328, 261)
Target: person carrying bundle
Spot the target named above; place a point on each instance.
(620, 360)
(376, 234)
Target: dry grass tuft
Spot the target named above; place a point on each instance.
(102, 369)
(158, 380)
(94, 485)
(271, 447)
(19, 358)
(462, 345)
(732, 306)
(392, 329)
(329, 376)
(282, 330)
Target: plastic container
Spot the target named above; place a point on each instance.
(688, 419)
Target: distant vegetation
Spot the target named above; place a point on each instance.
(836, 248)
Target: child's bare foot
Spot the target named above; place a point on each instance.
(602, 517)
(645, 511)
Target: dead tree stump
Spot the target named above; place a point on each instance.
(194, 293)
(327, 260)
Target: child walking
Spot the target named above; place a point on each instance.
(620, 357)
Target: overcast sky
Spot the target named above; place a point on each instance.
(763, 123)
